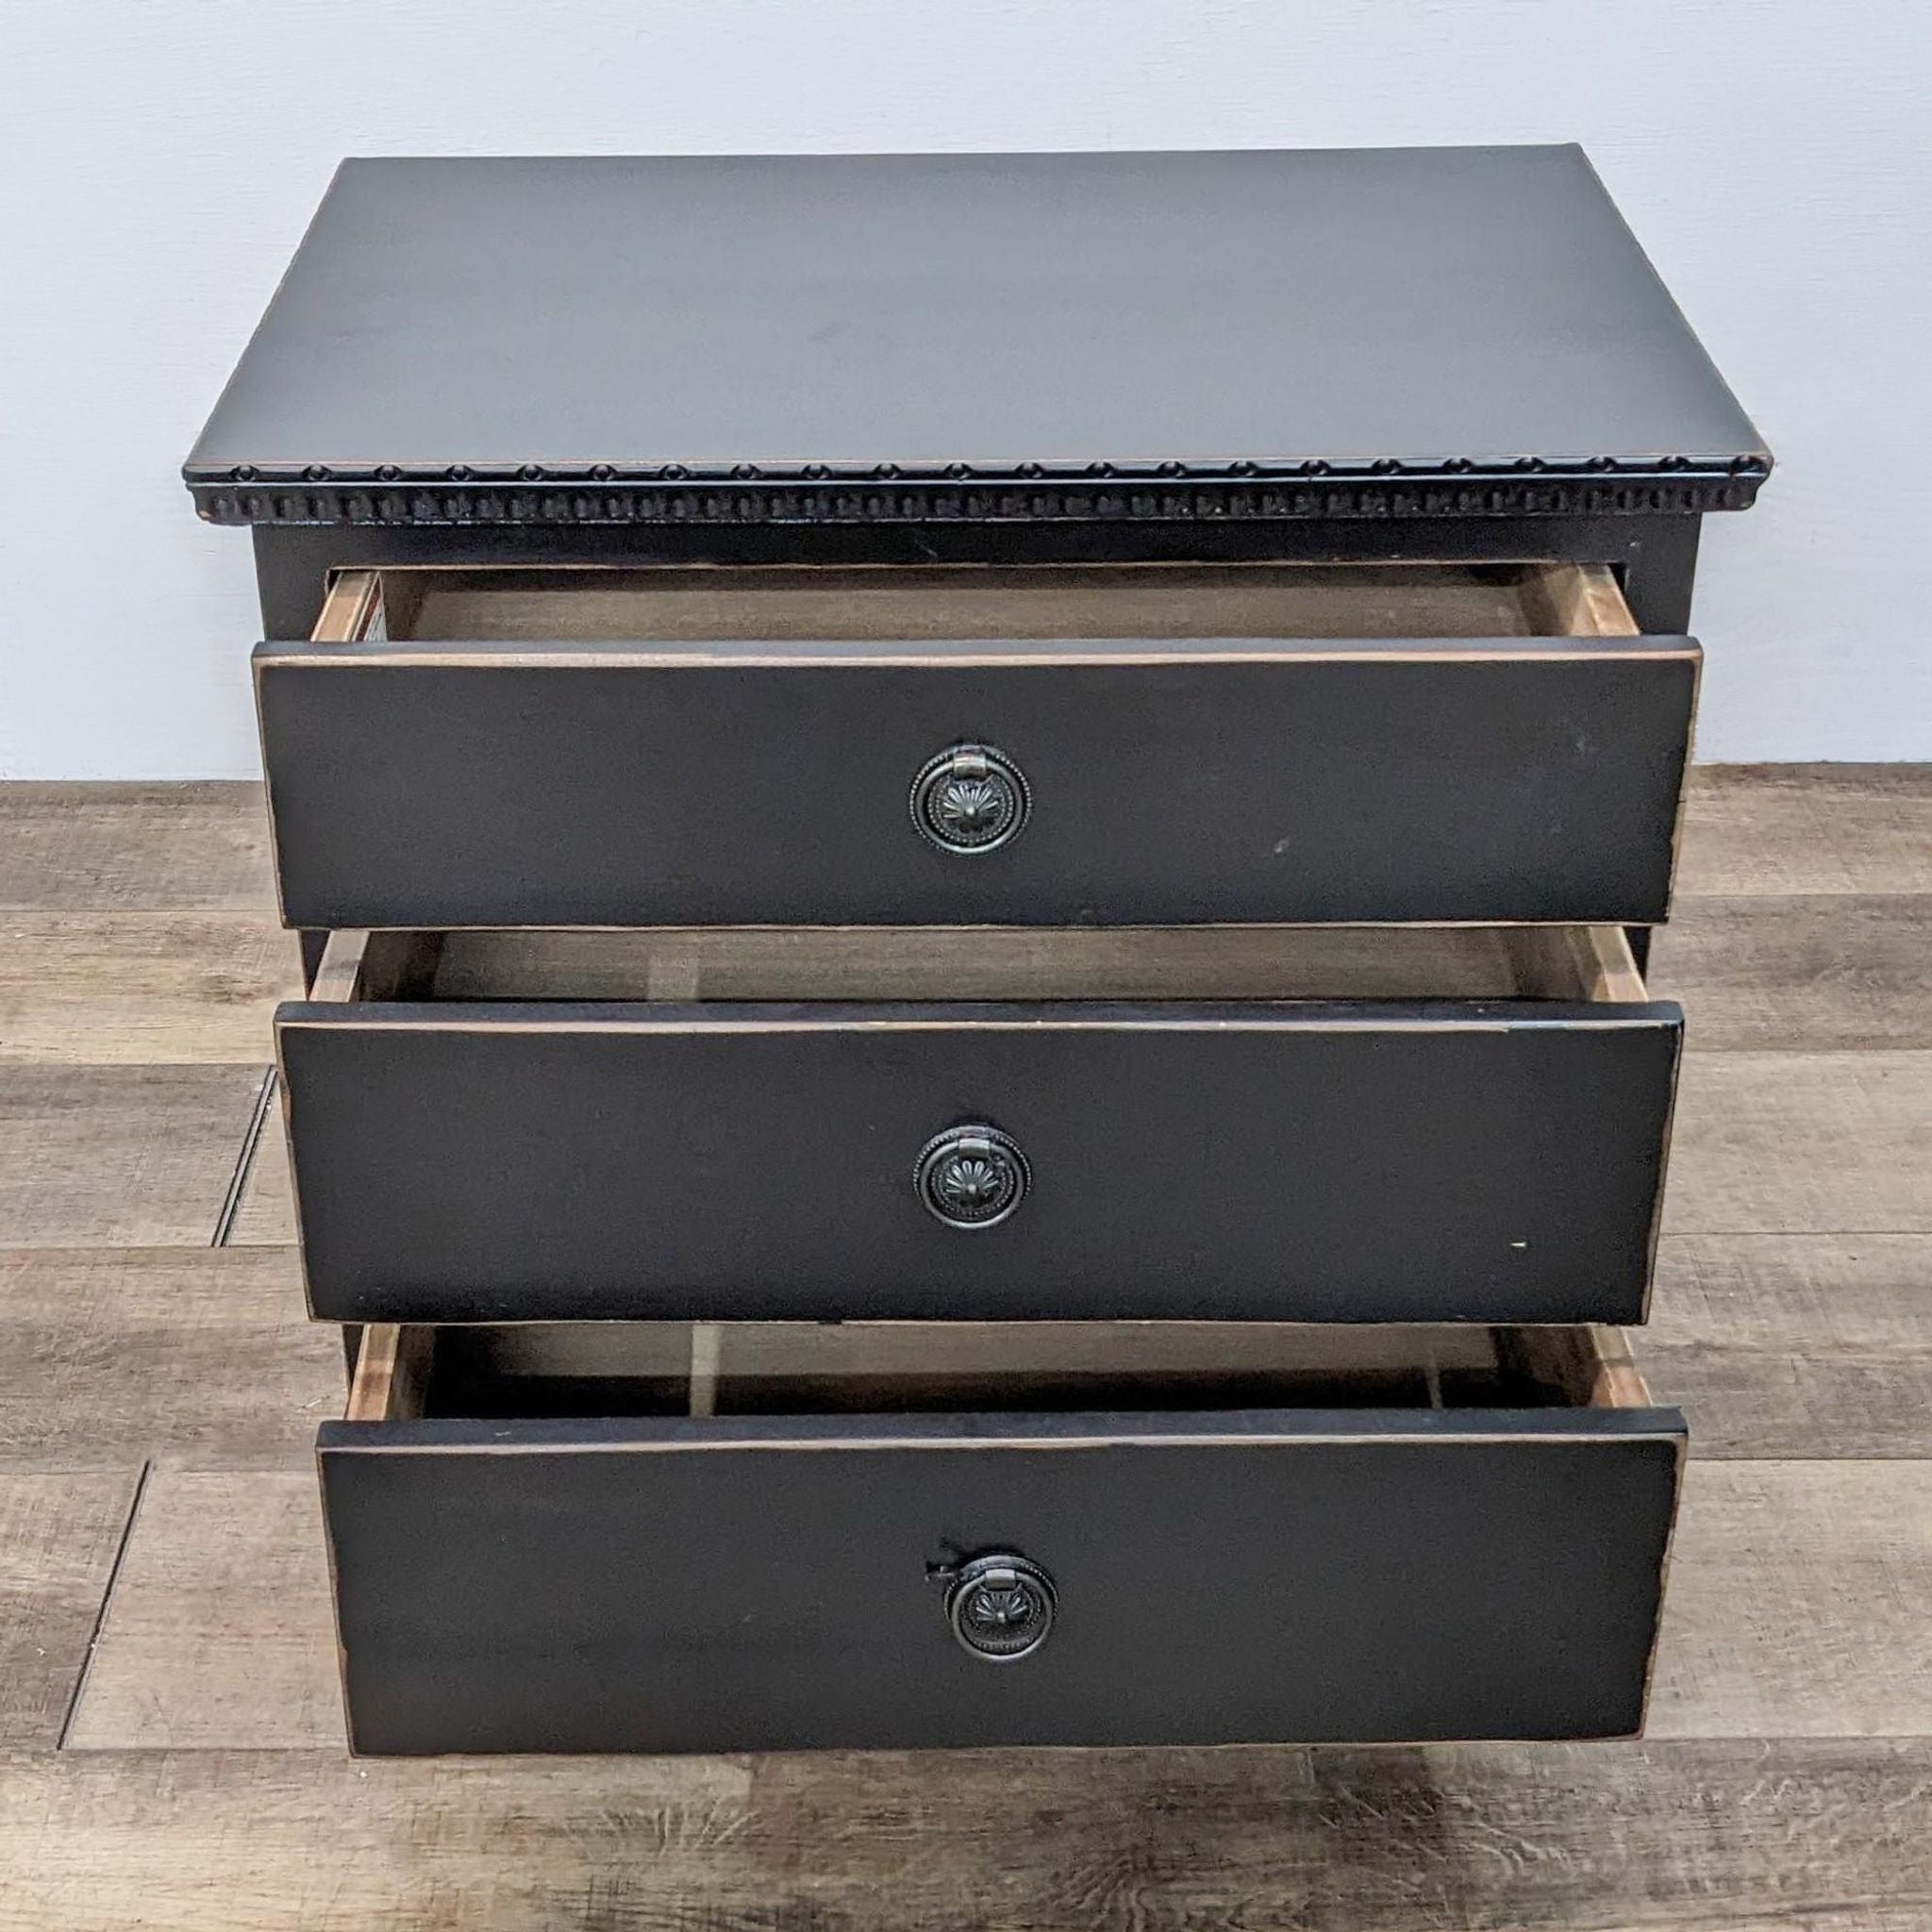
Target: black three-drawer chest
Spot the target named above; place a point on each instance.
(975, 838)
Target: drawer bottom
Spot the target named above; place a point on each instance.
(652, 1539)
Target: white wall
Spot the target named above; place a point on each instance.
(162, 156)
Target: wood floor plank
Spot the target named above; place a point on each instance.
(1470, 1838)
(1778, 1346)
(1799, 1837)
(1802, 1144)
(1748, 829)
(1796, 1607)
(1798, 1603)
(1762, 1142)
(220, 1631)
(59, 1533)
(1817, 973)
(1794, 1345)
(1807, 828)
(142, 988)
(270, 1841)
(126, 847)
(119, 1156)
(202, 1355)
(266, 1216)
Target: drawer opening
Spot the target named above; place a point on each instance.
(594, 1370)
(1588, 964)
(1042, 603)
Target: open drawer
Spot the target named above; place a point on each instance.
(625, 1539)
(1050, 746)
(1287, 1124)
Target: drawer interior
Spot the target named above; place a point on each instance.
(928, 603)
(581, 1370)
(1591, 964)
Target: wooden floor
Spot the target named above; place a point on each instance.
(170, 1741)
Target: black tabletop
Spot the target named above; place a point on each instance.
(1324, 317)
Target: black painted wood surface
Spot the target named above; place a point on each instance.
(754, 1585)
(451, 785)
(946, 338)
(1299, 1161)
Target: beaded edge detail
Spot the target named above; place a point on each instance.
(965, 493)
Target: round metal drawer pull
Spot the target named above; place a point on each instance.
(1001, 1608)
(969, 799)
(971, 1177)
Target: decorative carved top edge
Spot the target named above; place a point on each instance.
(962, 493)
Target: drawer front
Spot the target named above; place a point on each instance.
(744, 1585)
(451, 786)
(1435, 1161)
